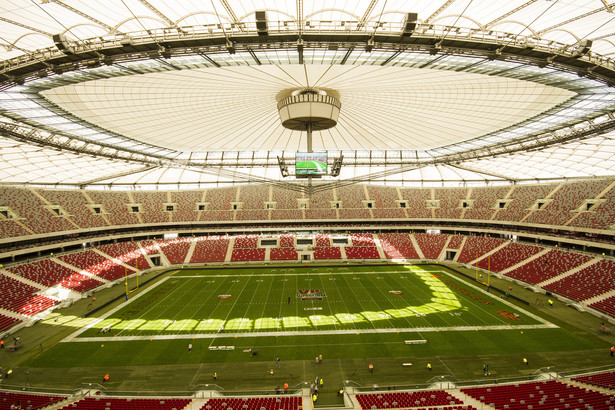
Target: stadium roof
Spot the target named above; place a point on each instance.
(126, 93)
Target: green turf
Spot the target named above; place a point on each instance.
(359, 318)
(361, 322)
(272, 300)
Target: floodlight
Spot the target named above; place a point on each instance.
(370, 45)
(230, 47)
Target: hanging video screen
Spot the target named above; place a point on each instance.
(310, 164)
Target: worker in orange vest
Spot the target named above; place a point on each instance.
(106, 378)
(2, 344)
(371, 368)
(285, 388)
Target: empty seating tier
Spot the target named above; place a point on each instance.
(109, 403)
(508, 256)
(186, 208)
(547, 266)
(48, 273)
(96, 264)
(592, 281)
(126, 252)
(210, 249)
(450, 202)
(280, 254)
(322, 239)
(327, 252)
(603, 380)
(455, 242)
(254, 403)
(545, 395)
(477, 246)
(248, 254)
(27, 400)
(431, 244)
(287, 241)
(422, 398)
(416, 202)
(397, 246)
(246, 241)
(175, 249)
(485, 202)
(152, 206)
(361, 252)
(605, 306)
(6, 322)
(21, 298)
(362, 239)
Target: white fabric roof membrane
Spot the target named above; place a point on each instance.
(385, 108)
(413, 103)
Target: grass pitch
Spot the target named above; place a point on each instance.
(326, 301)
(351, 315)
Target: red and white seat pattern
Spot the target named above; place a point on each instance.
(546, 395)
(604, 380)
(285, 402)
(115, 403)
(22, 298)
(283, 254)
(485, 201)
(592, 281)
(28, 400)
(7, 321)
(521, 199)
(327, 252)
(431, 244)
(450, 200)
(547, 266)
(508, 256)
(96, 264)
(423, 398)
(210, 249)
(127, 252)
(397, 246)
(477, 246)
(48, 273)
(176, 249)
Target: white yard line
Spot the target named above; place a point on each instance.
(310, 333)
(73, 337)
(70, 337)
